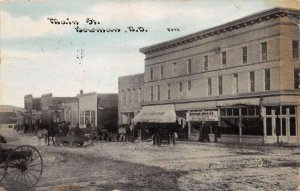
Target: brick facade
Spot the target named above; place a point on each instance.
(267, 37)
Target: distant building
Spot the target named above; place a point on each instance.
(10, 116)
(98, 109)
(32, 112)
(243, 76)
(71, 111)
(130, 97)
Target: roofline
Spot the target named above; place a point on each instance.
(132, 75)
(278, 11)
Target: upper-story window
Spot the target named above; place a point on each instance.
(224, 59)
(267, 79)
(252, 81)
(205, 63)
(174, 69)
(151, 73)
(297, 78)
(235, 83)
(129, 97)
(180, 86)
(220, 81)
(151, 93)
(158, 92)
(189, 66)
(264, 51)
(245, 55)
(209, 86)
(189, 85)
(169, 91)
(295, 47)
(161, 71)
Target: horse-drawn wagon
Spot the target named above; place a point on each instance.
(22, 164)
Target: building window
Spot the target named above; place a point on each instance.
(81, 117)
(169, 91)
(209, 86)
(205, 65)
(220, 80)
(267, 80)
(189, 85)
(93, 117)
(189, 66)
(269, 126)
(151, 73)
(87, 117)
(264, 51)
(252, 81)
(180, 86)
(223, 59)
(151, 92)
(174, 69)
(297, 78)
(295, 46)
(292, 126)
(235, 83)
(158, 92)
(245, 55)
(161, 71)
(129, 96)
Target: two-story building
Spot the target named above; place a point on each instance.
(130, 97)
(98, 109)
(246, 72)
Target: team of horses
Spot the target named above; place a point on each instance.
(51, 132)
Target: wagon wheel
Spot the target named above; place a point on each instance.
(24, 164)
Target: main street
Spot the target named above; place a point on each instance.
(184, 166)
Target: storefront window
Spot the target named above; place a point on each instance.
(81, 117)
(269, 126)
(230, 126)
(269, 110)
(87, 117)
(251, 111)
(244, 112)
(93, 117)
(283, 127)
(283, 110)
(222, 112)
(292, 110)
(292, 126)
(229, 112)
(252, 126)
(236, 111)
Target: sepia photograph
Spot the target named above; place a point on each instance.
(149, 95)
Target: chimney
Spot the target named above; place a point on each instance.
(81, 92)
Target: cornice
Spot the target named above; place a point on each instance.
(227, 27)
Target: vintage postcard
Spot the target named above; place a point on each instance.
(121, 95)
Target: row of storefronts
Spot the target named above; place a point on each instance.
(246, 92)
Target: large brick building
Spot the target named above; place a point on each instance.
(130, 97)
(247, 72)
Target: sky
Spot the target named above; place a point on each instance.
(38, 57)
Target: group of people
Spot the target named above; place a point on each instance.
(127, 133)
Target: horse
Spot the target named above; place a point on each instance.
(48, 131)
(42, 134)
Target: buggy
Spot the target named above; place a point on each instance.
(23, 163)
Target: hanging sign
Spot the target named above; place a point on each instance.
(211, 115)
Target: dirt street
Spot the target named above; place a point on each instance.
(184, 166)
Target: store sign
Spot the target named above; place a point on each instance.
(202, 116)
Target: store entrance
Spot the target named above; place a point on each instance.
(204, 129)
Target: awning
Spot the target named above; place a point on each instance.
(156, 114)
(227, 103)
